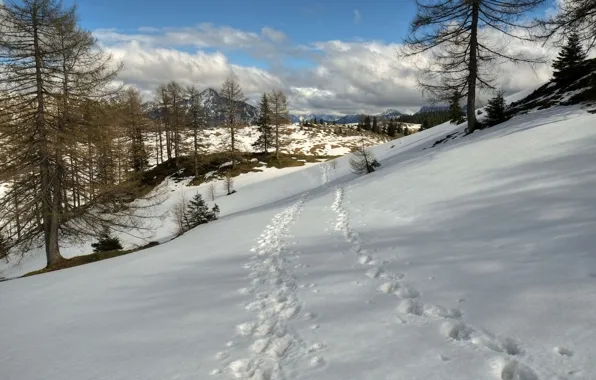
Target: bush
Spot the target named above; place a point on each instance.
(106, 242)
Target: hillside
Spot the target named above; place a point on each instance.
(309, 140)
(470, 259)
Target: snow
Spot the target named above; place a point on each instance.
(472, 260)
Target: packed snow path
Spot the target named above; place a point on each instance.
(509, 367)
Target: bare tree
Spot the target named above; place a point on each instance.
(363, 160)
(179, 214)
(463, 58)
(176, 116)
(54, 79)
(279, 109)
(574, 16)
(196, 122)
(136, 124)
(232, 96)
(163, 108)
(334, 164)
(212, 191)
(228, 183)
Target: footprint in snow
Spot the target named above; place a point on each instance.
(563, 351)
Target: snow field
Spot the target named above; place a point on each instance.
(470, 260)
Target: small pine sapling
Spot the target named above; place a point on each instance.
(106, 242)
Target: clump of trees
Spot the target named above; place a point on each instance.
(193, 213)
(363, 160)
(63, 132)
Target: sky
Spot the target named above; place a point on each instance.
(328, 56)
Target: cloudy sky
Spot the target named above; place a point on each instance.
(329, 56)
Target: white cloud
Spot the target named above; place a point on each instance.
(357, 16)
(273, 35)
(344, 77)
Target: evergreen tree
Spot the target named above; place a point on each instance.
(406, 131)
(367, 123)
(198, 213)
(106, 242)
(375, 125)
(391, 129)
(496, 110)
(456, 116)
(425, 125)
(265, 139)
(570, 61)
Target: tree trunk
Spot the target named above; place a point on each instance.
(473, 68)
(233, 137)
(50, 231)
(196, 149)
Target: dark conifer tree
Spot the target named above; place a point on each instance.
(375, 125)
(496, 110)
(391, 129)
(456, 116)
(367, 123)
(106, 242)
(570, 61)
(198, 213)
(265, 139)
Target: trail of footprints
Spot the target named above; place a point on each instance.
(508, 367)
(275, 303)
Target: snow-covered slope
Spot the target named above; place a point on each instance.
(469, 260)
(296, 139)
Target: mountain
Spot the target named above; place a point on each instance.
(433, 108)
(213, 105)
(325, 117)
(389, 113)
(349, 119)
(355, 118)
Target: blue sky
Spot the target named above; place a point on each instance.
(337, 56)
(302, 21)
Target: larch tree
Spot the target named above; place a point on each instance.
(176, 118)
(136, 124)
(456, 34)
(50, 70)
(363, 160)
(265, 139)
(163, 111)
(196, 121)
(232, 96)
(279, 111)
(573, 16)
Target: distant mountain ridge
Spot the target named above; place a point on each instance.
(345, 119)
(213, 104)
